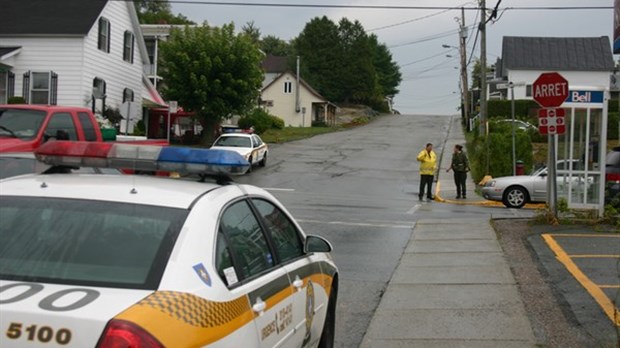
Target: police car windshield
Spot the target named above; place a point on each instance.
(90, 243)
(233, 141)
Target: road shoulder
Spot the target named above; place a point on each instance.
(553, 322)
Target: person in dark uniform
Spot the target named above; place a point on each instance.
(460, 166)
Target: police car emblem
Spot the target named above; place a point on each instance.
(202, 273)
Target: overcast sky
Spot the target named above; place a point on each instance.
(430, 79)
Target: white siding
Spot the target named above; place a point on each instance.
(77, 61)
(574, 78)
(284, 103)
(64, 56)
(117, 73)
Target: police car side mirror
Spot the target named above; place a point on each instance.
(316, 244)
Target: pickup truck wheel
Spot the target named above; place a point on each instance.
(515, 197)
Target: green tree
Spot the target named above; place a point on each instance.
(475, 74)
(319, 47)
(158, 12)
(212, 72)
(388, 71)
(275, 46)
(252, 32)
(358, 79)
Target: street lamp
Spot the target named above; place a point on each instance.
(465, 114)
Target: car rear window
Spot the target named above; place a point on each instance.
(90, 243)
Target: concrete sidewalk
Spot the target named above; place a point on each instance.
(452, 287)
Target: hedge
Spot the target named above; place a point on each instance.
(503, 108)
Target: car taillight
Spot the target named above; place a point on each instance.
(123, 334)
(612, 177)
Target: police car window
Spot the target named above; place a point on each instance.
(283, 232)
(82, 242)
(223, 261)
(246, 240)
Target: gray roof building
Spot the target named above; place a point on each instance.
(556, 53)
(49, 17)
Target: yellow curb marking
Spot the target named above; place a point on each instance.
(595, 291)
(587, 235)
(486, 203)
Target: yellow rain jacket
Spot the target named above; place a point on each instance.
(428, 163)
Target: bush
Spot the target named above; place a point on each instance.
(503, 108)
(261, 120)
(492, 155)
(612, 125)
(16, 100)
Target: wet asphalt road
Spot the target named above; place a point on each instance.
(358, 188)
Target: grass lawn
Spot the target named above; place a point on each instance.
(295, 133)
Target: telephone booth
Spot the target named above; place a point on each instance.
(581, 150)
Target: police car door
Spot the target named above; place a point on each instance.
(256, 274)
(308, 295)
(259, 146)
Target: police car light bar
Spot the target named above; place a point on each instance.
(184, 160)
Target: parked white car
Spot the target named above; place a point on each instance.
(250, 146)
(516, 191)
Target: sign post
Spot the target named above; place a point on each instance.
(172, 108)
(550, 90)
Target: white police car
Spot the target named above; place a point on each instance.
(134, 261)
(250, 146)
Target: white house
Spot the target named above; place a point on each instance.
(583, 61)
(279, 96)
(73, 52)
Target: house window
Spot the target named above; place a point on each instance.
(127, 95)
(128, 46)
(99, 87)
(288, 87)
(528, 90)
(4, 86)
(103, 42)
(40, 90)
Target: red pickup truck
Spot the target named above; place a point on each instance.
(24, 128)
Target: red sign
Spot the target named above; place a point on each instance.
(550, 90)
(551, 121)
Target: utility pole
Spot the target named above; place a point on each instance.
(464, 88)
(483, 67)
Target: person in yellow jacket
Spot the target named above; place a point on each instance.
(428, 165)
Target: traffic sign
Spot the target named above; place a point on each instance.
(551, 121)
(550, 90)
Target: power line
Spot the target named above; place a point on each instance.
(429, 38)
(416, 19)
(372, 7)
(427, 58)
(409, 21)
